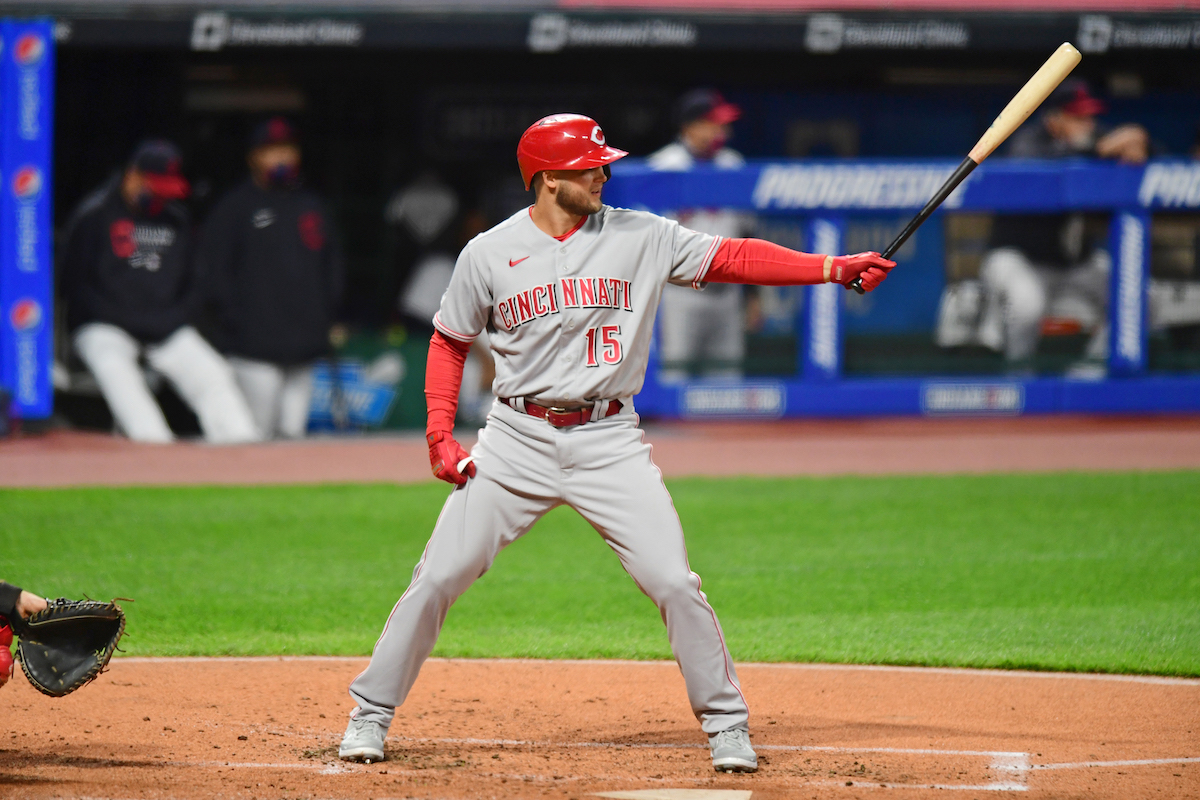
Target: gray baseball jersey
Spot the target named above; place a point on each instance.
(573, 318)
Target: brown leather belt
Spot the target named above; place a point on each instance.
(562, 417)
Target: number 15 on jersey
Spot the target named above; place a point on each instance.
(603, 345)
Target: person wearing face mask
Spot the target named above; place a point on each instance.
(703, 331)
(1050, 271)
(131, 289)
(277, 278)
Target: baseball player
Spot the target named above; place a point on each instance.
(132, 289)
(277, 277)
(13, 601)
(568, 289)
(706, 328)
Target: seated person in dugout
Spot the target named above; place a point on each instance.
(131, 290)
(1046, 268)
(276, 276)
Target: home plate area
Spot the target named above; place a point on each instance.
(268, 728)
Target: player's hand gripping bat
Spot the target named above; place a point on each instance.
(1024, 103)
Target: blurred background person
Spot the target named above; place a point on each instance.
(703, 331)
(132, 289)
(1052, 270)
(276, 273)
(427, 227)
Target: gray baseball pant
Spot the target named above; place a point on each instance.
(525, 467)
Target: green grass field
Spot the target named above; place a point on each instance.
(1064, 571)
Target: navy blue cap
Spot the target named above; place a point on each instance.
(276, 130)
(706, 104)
(161, 165)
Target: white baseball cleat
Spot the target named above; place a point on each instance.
(363, 741)
(731, 751)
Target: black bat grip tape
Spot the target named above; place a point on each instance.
(963, 170)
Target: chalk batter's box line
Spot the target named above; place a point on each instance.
(603, 662)
(1001, 760)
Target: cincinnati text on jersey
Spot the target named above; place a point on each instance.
(539, 301)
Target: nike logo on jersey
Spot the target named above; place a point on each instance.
(514, 262)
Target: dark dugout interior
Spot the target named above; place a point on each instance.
(374, 120)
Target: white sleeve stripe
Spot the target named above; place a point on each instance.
(706, 263)
(441, 326)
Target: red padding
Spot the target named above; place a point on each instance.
(443, 379)
(762, 263)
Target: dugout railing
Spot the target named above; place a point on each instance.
(824, 194)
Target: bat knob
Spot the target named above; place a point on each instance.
(857, 286)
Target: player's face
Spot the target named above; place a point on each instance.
(578, 190)
(1078, 130)
(704, 137)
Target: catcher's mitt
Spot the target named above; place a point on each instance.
(68, 644)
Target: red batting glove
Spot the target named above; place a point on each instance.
(6, 659)
(871, 267)
(445, 455)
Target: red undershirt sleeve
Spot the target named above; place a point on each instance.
(761, 263)
(443, 378)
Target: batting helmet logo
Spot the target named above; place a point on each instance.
(27, 183)
(564, 141)
(25, 315)
(29, 50)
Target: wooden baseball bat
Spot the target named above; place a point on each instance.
(1024, 103)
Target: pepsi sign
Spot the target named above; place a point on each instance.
(26, 276)
(29, 50)
(27, 183)
(25, 315)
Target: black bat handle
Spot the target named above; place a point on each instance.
(960, 174)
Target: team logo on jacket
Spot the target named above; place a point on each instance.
(312, 231)
(29, 50)
(123, 242)
(27, 183)
(143, 245)
(25, 315)
(263, 218)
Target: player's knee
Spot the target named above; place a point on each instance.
(449, 581)
(667, 588)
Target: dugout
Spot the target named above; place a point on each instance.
(386, 91)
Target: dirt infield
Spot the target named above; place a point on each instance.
(820, 447)
(267, 728)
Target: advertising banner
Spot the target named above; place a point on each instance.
(26, 277)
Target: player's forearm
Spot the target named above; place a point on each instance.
(763, 263)
(443, 379)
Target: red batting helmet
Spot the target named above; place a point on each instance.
(563, 141)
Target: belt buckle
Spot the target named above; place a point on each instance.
(557, 412)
